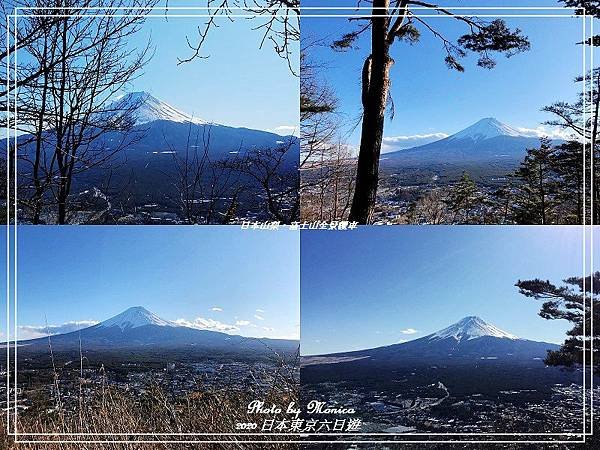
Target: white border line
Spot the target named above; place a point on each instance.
(583, 88)
(591, 246)
(8, 291)
(15, 95)
(254, 16)
(313, 8)
(337, 434)
(287, 434)
(590, 77)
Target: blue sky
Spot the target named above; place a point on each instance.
(239, 84)
(430, 99)
(216, 277)
(382, 285)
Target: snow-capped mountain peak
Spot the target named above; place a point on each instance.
(134, 317)
(470, 327)
(148, 109)
(487, 128)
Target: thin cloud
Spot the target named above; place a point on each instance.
(216, 308)
(201, 323)
(394, 143)
(242, 323)
(38, 331)
(544, 131)
(286, 130)
(408, 331)
(256, 316)
(260, 310)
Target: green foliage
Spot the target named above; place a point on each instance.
(408, 33)
(548, 186)
(311, 106)
(537, 186)
(463, 199)
(581, 120)
(452, 63)
(571, 301)
(497, 37)
(345, 42)
(591, 7)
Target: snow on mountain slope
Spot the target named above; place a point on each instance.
(487, 141)
(487, 128)
(471, 327)
(134, 317)
(138, 329)
(149, 109)
(469, 339)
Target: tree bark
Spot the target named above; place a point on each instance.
(375, 89)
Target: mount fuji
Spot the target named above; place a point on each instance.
(159, 129)
(164, 129)
(469, 357)
(148, 166)
(148, 109)
(468, 340)
(137, 329)
(488, 128)
(487, 140)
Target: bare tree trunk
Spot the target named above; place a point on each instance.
(60, 132)
(375, 88)
(39, 188)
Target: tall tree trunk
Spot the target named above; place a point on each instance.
(375, 88)
(62, 212)
(39, 188)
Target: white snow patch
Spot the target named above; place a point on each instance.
(137, 316)
(149, 109)
(488, 128)
(471, 327)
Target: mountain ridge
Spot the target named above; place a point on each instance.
(487, 140)
(138, 328)
(469, 338)
(486, 128)
(147, 108)
(134, 317)
(470, 327)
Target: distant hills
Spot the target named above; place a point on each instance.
(139, 329)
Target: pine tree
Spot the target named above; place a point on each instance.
(500, 204)
(572, 302)
(463, 198)
(581, 118)
(536, 186)
(569, 168)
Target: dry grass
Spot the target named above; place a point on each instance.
(116, 412)
(100, 408)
